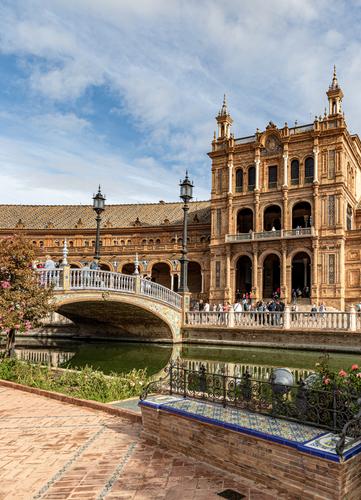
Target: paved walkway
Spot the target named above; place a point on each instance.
(55, 450)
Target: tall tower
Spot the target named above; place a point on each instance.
(224, 121)
(335, 96)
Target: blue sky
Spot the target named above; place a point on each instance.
(124, 93)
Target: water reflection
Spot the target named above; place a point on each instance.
(123, 357)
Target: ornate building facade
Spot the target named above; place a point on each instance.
(284, 214)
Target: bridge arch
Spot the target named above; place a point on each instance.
(123, 317)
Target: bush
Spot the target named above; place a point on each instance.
(85, 383)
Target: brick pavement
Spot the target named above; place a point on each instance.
(54, 450)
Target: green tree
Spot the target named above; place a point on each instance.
(23, 300)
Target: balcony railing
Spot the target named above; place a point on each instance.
(300, 232)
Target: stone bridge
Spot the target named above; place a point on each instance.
(116, 305)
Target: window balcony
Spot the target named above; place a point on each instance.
(301, 232)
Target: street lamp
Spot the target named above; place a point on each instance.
(98, 207)
(186, 189)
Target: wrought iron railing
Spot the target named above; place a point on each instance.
(335, 409)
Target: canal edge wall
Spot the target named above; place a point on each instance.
(338, 341)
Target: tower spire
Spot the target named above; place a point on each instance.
(224, 121)
(334, 95)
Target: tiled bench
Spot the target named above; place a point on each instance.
(272, 451)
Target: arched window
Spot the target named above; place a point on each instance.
(115, 242)
(295, 172)
(41, 244)
(151, 242)
(251, 178)
(71, 244)
(309, 170)
(86, 243)
(57, 243)
(144, 242)
(272, 176)
(239, 180)
(157, 241)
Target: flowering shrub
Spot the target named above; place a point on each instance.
(346, 378)
(23, 301)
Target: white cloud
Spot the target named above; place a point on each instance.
(166, 66)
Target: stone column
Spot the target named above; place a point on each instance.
(257, 163)
(342, 279)
(172, 281)
(285, 169)
(284, 273)
(255, 287)
(230, 172)
(315, 160)
(227, 291)
(315, 278)
(286, 318)
(352, 324)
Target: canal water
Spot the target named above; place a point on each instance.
(119, 357)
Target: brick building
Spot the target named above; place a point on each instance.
(284, 213)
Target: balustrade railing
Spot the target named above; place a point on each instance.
(50, 277)
(88, 279)
(160, 292)
(103, 280)
(329, 320)
(269, 235)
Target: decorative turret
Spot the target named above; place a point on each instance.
(335, 96)
(224, 121)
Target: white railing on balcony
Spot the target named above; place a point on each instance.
(88, 279)
(50, 277)
(103, 280)
(270, 235)
(160, 292)
(288, 320)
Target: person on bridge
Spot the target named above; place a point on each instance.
(94, 265)
(49, 263)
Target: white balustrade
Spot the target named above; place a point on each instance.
(50, 277)
(102, 280)
(328, 321)
(160, 292)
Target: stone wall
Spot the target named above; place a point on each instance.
(295, 339)
(267, 462)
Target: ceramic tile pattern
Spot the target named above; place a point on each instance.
(53, 450)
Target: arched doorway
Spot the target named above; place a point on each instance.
(161, 274)
(194, 277)
(73, 265)
(301, 215)
(244, 220)
(243, 275)
(128, 268)
(104, 267)
(271, 275)
(272, 218)
(301, 274)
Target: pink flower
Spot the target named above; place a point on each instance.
(358, 375)
(27, 325)
(342, 373)
(5, 284)
(326, 381)
(17, 326)
(354, 367)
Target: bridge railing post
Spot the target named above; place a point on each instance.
(352, 319)
(65, 283)
(186, 302)
(137, 283)
(287, 318)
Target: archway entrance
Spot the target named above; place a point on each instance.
(272, 218)
(271, 275)
(74, 266)
(301, 274)
(104, 267)
(301, 215)
(194, 277)
(161, 274)
(244, 220)
(128, 268)
(243, 275)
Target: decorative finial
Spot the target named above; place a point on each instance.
(65, 254)
(334, 84)
(214, 136)
(224, 111)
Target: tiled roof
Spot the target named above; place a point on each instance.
(115, 216)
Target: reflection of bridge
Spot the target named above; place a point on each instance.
(104, 301)
(44, 357)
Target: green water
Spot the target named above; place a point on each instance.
(119, 357)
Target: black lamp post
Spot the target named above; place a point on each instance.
(98, 207)
(186, 189)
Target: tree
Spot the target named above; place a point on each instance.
(23, 300)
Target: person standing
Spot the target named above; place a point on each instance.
(49, 263)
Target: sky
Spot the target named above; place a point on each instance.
(124, 93)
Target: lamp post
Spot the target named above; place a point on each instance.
(98, 207)
(186, 190)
